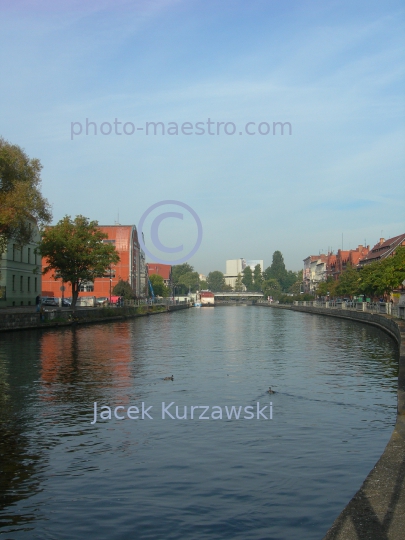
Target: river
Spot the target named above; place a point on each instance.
(284, 477)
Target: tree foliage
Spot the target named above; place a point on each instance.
(190, 280)
(159, 287)
(75, 251)
(238, 283)
(216, 281)
(247, 279)
(271, 287)
(123, 288)
(178, 271)
(20, 197)
(257, 278)
(277, 269)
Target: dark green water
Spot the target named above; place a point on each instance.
(285, 478)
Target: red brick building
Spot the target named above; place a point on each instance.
(338, 263)
(383, 249)
(131, 267)
(163, 270)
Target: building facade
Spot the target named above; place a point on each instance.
(20, 273)
(383, 249)
(163, 270)
(131, 267)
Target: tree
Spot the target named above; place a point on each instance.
(190, 280)
(295, 288)
(327, 288)
(75, 250)
(257, 278)
(216, 281)
(277, 269)
(238, 283)
(271, 287)
(348, 284)
(382, 277)
(178, 271)
(159, 287)
(123, 288)
(247, 279)
(20, 197)
(289, 280)
(203, 285)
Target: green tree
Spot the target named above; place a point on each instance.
(247, 279)
(327, 287)
(382, 277)
(20, 197)
(74, 249)
(289, 280)
(203, 285)
(348, 283)
(257, 278)
(296, 287)
(159, 287)
(216, 281)
(123, 288)
(178, 271)
(271, 287)
(190, 280)
(277, 269)
(238, 283)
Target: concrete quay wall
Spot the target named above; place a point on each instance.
(25, 320)
(377, 510)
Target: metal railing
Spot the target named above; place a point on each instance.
(384, 308)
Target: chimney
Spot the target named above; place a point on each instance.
(382, 240)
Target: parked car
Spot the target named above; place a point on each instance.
(49, 301)
(102, 301)
(66, 302)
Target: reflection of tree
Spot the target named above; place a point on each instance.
(18, 463)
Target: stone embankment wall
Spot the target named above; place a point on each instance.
(66, 317)
(377, 511)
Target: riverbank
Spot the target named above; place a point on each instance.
(377, 511)
(29, 319)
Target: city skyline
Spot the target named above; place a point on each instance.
(334, 72)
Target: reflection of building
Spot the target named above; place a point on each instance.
(163, 270)
(18, 284)
(131, 267)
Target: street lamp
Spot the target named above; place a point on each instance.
(110, 281)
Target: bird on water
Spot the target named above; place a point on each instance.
(270, 391)
(169, 378)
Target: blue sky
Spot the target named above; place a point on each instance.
(333, 69)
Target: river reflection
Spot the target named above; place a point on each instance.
(289, 477)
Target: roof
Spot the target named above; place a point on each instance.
(163, 270)
(383, 249)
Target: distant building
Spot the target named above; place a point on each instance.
(202, 277)
(19, 286)
(163, 270)
(339, 262)
(383, 249)
(237, 266)
(131, 267)
(207, 298)
(314, 272)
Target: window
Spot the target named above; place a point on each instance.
(14, 252)
(28, 284)
(35, 284)
(21, 283)
(87, 287)
(13, 283)
(29, 255)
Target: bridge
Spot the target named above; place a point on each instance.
(236, 295)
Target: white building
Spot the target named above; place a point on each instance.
(237, 266)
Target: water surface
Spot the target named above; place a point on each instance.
(289, 477)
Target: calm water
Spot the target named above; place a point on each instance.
(285, 478)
